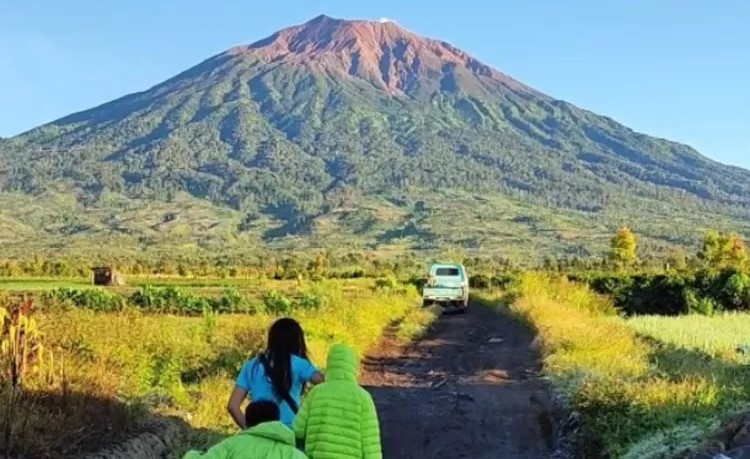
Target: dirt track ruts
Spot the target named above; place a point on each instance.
(468, 389)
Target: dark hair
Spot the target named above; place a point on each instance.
(285, 339)
(261, 411)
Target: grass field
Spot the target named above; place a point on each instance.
(718, 336)
(253, 289)
(103, 372)
(37, 284)
(645, 387)
(713, 351)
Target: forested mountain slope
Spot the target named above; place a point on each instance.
(357, 133)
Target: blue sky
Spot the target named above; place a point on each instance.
(670, 68)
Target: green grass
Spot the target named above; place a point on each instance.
(40, 284)
(645, 389)
(717, 336)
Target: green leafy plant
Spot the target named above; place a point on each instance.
(276, 303)
(699, 304)
(94, 299)
(386, 283)
(310, 301)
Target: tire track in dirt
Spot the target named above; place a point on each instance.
(470, 389)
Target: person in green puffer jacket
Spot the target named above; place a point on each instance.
(265, 438)
(338, 418)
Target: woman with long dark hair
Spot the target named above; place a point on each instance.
(279, 373)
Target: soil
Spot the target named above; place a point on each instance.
(470, 389)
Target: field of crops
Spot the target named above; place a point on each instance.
(102, 371)
(36, 284)
(174, 295)
(645, 387)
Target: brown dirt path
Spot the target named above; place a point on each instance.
(460, 393)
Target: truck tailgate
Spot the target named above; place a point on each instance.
(443, 292)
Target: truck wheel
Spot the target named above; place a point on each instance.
(426, 304)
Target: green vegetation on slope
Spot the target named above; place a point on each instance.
(237, 152)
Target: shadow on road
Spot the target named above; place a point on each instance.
(470, 388)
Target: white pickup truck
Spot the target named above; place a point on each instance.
(448, 286)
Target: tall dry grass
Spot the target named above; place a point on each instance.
(638, 397)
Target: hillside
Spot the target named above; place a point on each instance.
(353, 134)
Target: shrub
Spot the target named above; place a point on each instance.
(94, 299)
(660, 294)
(276, 303)
(173, 300)
(675, 294)
(417, 281)
(351, 273)
(310, 301)
(699, 304)
(209, 325)
(232, 301)
(736, 292)
(479, 281)
(614, 285)
(386, 283)
(502, 281)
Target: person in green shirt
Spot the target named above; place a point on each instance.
(338, 417)
(265, 437)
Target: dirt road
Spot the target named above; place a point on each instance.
(469, 389)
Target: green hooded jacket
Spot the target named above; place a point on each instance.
(269, 440)
(338, 418)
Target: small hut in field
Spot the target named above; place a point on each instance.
(108, 276)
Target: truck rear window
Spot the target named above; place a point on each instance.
(452, 272)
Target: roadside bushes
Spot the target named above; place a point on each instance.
(479, 281)
(642, 387)
(704, 292)
(483, 281)
(386, 283)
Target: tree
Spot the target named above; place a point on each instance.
(677, 259)
(711, 250)
(721, 249)
(624, 248)
(317, 267)
(550, 264)
(736, 247)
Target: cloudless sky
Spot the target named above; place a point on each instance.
(678, 69)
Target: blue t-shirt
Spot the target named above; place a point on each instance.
(252, 378)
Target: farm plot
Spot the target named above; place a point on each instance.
(102, 373)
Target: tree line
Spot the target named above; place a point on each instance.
(316, 265)
(715, 279)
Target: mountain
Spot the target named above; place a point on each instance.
(354, 134)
